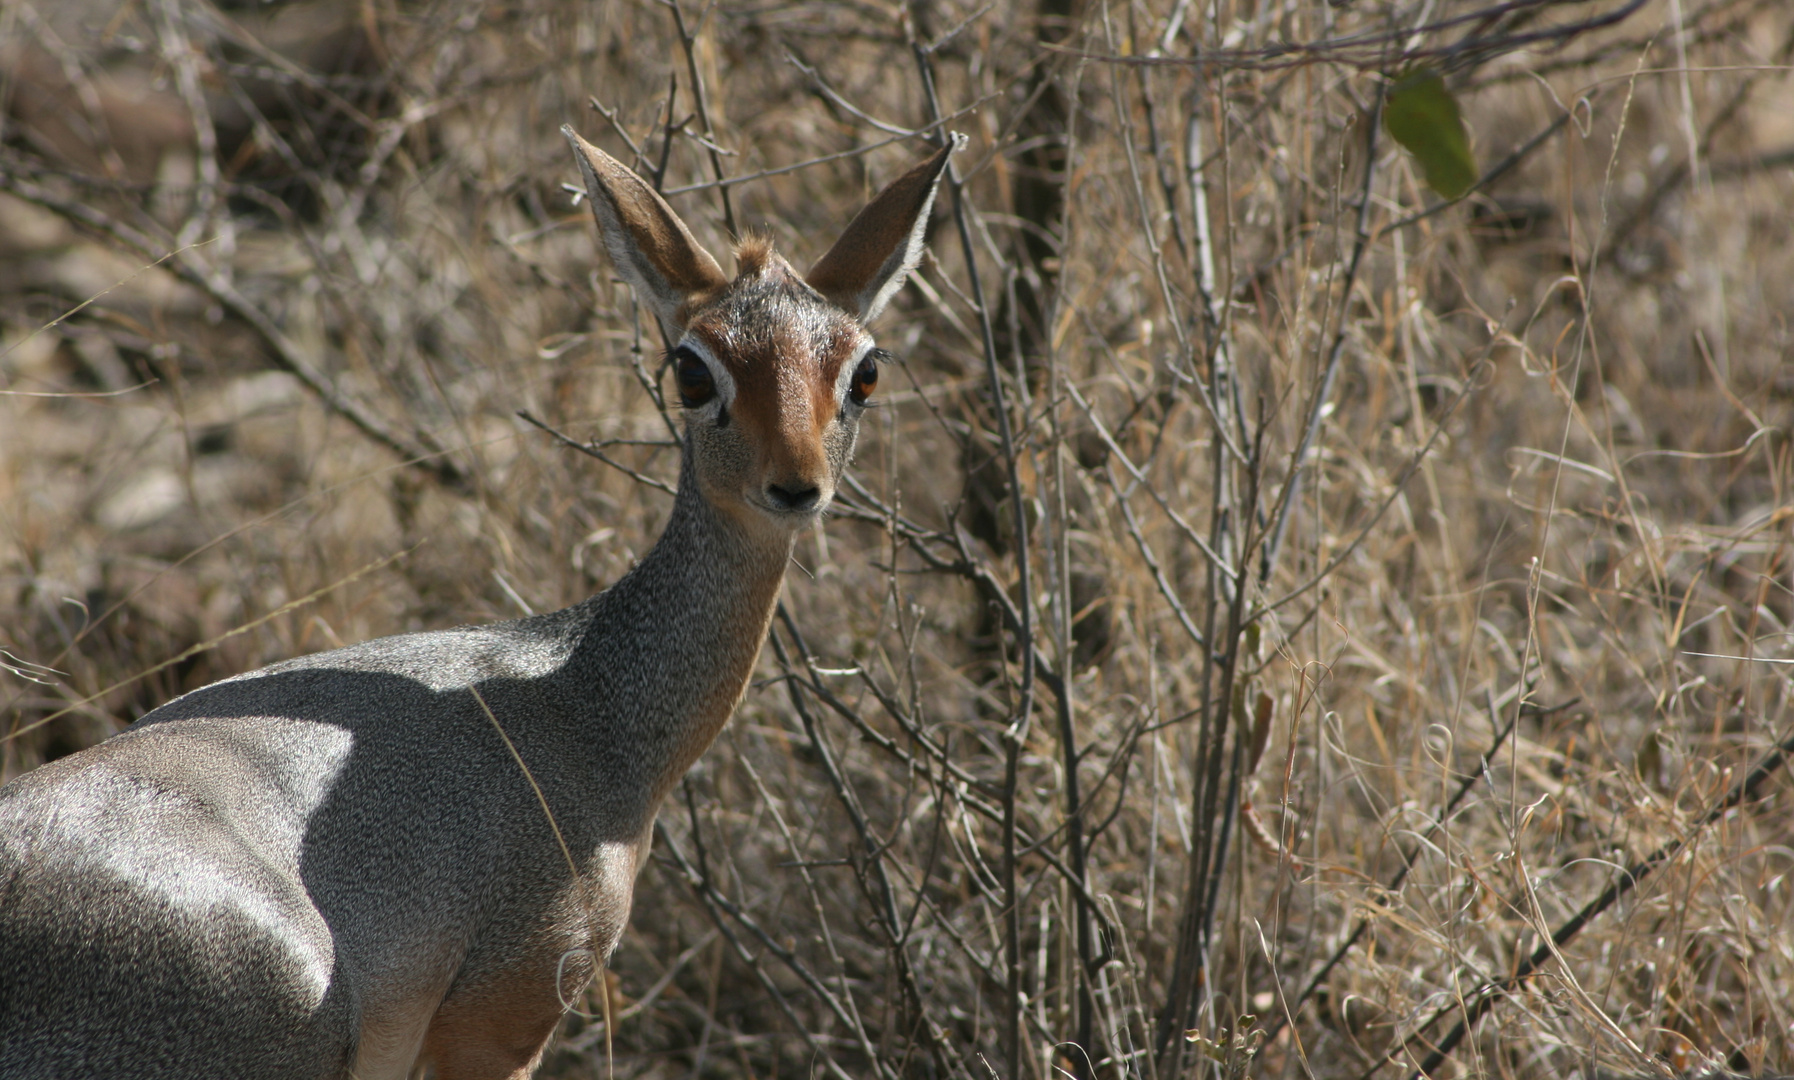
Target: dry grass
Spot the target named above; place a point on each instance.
(1545, 510)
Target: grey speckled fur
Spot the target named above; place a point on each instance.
(333, 866)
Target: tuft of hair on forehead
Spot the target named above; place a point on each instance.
(753, 253)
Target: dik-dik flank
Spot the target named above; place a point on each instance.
(334, 866)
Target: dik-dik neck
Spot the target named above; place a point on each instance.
(670, 647)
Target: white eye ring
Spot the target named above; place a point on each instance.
(865, 378)
(844, 378)
(719, 375)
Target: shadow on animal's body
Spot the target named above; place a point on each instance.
(334, 866)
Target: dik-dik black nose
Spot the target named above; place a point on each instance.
(794, 498)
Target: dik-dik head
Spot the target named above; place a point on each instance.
(774, 368)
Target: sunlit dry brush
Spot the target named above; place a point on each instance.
(1542, 508)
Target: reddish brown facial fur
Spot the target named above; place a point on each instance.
(784, 347)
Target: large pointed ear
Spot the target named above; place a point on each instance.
(652, 249)
(883, 244)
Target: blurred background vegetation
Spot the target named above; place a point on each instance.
(1284, 624)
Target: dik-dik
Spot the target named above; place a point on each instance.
(411, 852)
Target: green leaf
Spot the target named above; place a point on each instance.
(1422, 115)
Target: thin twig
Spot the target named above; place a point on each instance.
(1481, 1000)
(287, 355)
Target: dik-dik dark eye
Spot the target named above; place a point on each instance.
(696, 385)
(865, 377)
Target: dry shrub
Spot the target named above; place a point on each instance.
(1522, 622)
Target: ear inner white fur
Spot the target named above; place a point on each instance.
(877, 251)
(651, 248)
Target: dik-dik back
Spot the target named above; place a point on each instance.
(416, 851)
